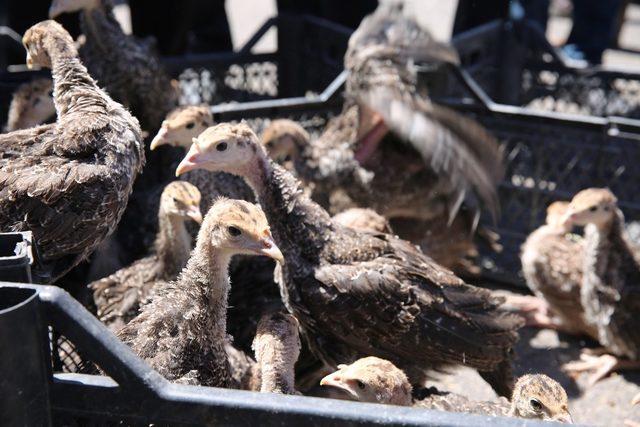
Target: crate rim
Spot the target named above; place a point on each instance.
(86, 395)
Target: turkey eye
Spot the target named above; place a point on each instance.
(234, 231)
(606, 208)
(190, 125)
(269, 145)
(222, 146)
(593, 208)
(536, 405)
(360, 384)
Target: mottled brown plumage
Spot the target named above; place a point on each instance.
(552, 261)
(31, 105)
(376, 380)
(610, 292)
(276, 347)
(182, 331)
(358, 293)
(68, 182)
(118, 296)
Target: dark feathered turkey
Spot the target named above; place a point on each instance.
(68, 182)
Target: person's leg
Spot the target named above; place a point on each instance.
(537, 11)
(593, 22)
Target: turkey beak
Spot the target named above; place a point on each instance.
(159, 139)
(567, 219)
(195, 214)
(334, 380)
(269, 248)
(193, 160)
(30, 62)
(564, 418)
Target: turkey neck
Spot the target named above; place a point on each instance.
(300, 226)
(99, 25)
(277, 376)
(206, 275)
(173, 244)
(73, 88)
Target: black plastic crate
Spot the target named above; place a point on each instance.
(308, 57)
(36, 393)
(515, 64)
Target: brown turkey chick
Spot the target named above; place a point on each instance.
(376, 380)
(610, 291)
(552, 261)
(68, 182)
(118, 296)
(358, 293)
(182, 331)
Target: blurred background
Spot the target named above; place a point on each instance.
(591, 30)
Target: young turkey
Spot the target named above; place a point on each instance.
(68, 182)
(31, 105)
(358, 293)
(552, 261)
(118, 296)
(376, 380)
(182, 331)
(610, 291)
(394, 150)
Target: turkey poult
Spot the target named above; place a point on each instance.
(358, 293)
(284, 140)
(31, 105)
(127, 68)
(610, 292)
(118, 296)
(552, 261)
(68, 182)
(425, 159)
(276, 348)
(182, 331)
(376, 380)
